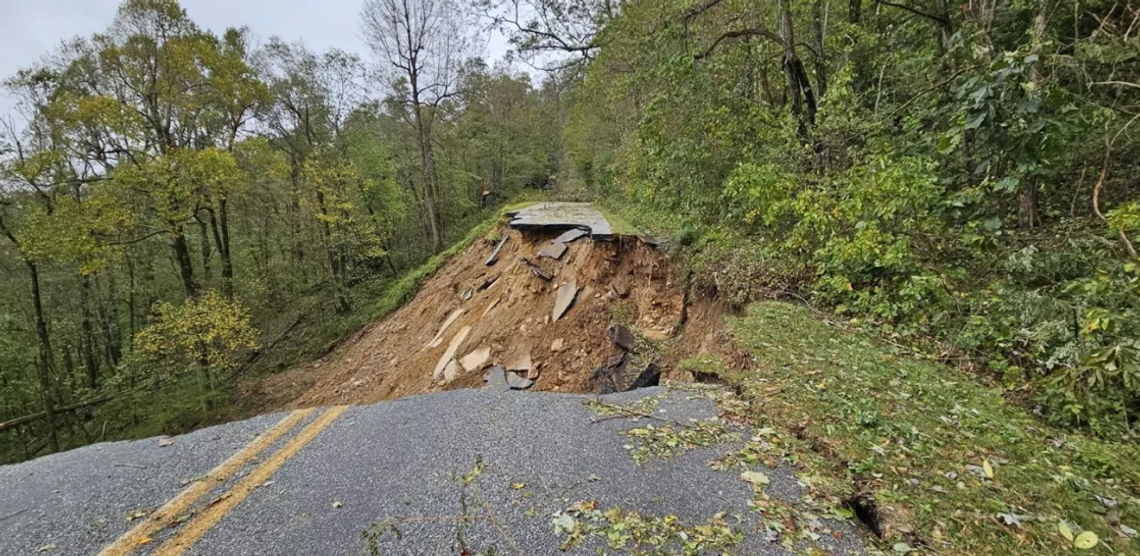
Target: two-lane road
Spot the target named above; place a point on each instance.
(474, 470)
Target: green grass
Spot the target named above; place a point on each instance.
(906, 430)
(404, 288)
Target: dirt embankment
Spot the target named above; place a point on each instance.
(471, 316)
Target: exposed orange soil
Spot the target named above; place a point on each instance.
(620, 281)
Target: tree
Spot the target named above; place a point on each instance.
(421, 43)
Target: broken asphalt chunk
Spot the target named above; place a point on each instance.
(494, 258)
(651, 376)
(565, 298)
(517, 382)
(622, 337)
(535, 269)
(560, 216)
(496, 379)
(570, 236)
(490, 281)
(553, 251)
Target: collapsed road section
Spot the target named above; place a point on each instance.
(553, 299)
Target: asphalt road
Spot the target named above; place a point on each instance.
(326, 476)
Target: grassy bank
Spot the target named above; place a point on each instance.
(943, 463)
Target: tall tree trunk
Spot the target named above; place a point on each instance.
(222, 244)
(87, 343)
(423, 138)
(204, 238)
(334, 263)
(819, 27)
(799, 87)
(45, 355)
(227, 261)
(1028, 211)
(185, 267)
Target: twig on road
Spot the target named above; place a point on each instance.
(13, 514)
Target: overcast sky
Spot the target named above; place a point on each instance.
(29, 29)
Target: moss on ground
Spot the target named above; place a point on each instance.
(953, 469)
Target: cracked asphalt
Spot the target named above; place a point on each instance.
(400, 462)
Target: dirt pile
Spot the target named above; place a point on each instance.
(549, 320)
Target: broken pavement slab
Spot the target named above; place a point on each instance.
(494, 258)
(565, 298)
(438, 339)
(561, 216)
(570, 236)
(496, 380)
(622, 337)
(450, 371)
(517, 382)
(448, 355)
(553, 251)
(476, 359)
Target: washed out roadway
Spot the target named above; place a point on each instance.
(310, 482)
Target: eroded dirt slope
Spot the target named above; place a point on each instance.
(503, 315)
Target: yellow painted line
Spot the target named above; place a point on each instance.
(178, 506)
(193, 531)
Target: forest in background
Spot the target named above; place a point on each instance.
(180, 209)
(959, 177)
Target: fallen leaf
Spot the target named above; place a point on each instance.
(518, 486)
(145, 540)
(1086, 540)
(563, 523)
(165, 442)
(337, 504)
(755, 477)
(47, 547)
(989, 470)
(902, 548)
(1065, 531)
(1128, 531)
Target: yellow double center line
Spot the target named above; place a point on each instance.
(195, 529)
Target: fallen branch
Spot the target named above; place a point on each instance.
(6, 425)
(1100, 186)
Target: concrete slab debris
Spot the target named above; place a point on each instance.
(491, 305)
(520, 363)
(517, 382)
(476, 359)
(553, 251)
(561, 216)
(448, 355)
(438, 339)
(565, 298)
(450, 371)
(494, 258)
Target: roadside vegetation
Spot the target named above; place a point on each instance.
(182, 208)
